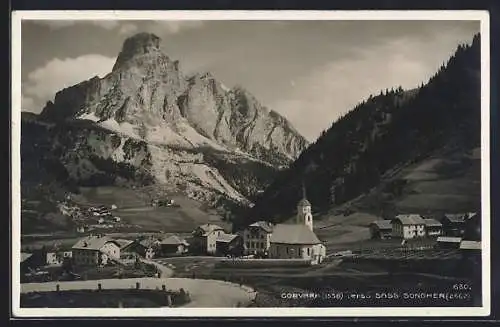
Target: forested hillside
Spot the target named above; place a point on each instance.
(390, 130)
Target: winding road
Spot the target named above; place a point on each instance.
(205, 293)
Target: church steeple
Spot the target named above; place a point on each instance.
(304, 215)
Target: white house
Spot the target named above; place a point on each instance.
(297, 241)
(205, 238)
(257, 237)
(95, 250)
(408, 226)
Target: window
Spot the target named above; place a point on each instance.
(308, 251)
(248, 244)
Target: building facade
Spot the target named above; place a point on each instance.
(408, 226)
(381, 229)
(56, 258)
(204, 238)
(433, 227)
(148, 247)
(229, 245)
(472, 227)
(453, 224)
(173, 245)
(95, 250)
(257, 237)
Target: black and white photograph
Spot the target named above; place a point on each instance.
(238, 163)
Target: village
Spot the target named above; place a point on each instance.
(293, 243)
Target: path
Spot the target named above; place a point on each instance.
(204, 292)
(165, 272)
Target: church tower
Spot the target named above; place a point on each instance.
(304, 215)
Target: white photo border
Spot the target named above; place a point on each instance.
(475, 15)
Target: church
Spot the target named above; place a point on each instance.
(297, 241)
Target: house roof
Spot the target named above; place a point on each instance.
(304, 202)
(455, 217)
(25, 256)
(265, 225)
(208, 228)
(470, 245)
(429, 222)
(471, 215)
(174, 240)
(449, 239)
(411, 219)
(226, 238)
(382, 224)
(93, 243)
(293, 234)
(122, 243)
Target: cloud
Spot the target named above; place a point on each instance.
(58, 24)
(173, 27)
(335, 88)
(126, 27)
(44, 82)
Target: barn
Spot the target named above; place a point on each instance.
(381, 229)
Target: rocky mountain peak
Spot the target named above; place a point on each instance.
(147, 97)
(138, 45)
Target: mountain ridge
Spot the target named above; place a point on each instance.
(146, 123)
(147, 88)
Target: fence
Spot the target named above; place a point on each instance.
(259, 263)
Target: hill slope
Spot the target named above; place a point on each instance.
(371, 144)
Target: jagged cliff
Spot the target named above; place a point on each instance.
(147, 96)
(147, 123)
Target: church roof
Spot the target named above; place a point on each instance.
(304, 202)
(293, 234)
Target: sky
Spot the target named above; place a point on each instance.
(311, 72)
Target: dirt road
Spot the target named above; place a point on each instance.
(204, 293)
